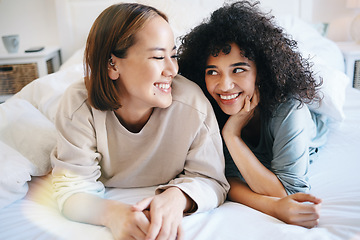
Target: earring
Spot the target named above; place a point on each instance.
(111, 62)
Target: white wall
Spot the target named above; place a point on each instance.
(327, 10)
(36, 21)
(337, 15)
(33, 20)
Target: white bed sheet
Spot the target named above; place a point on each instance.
(334, 178)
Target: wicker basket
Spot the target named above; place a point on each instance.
(50, 66)
(14, 77)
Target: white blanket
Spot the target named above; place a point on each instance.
(334, 178)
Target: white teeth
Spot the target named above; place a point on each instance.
(162, 85)
(229, 97)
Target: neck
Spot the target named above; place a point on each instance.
(132, 120)
(251, 132)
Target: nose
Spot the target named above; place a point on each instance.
(225, 83)
(171, 67)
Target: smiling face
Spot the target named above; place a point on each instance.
(229, 79)
(145, 75)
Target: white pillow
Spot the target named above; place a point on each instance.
(45, 93)
(333, 91)
(26, 130)
(15, 172)
(328, 64)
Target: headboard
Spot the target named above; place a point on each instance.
(75, 17)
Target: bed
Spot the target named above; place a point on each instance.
(27, 136)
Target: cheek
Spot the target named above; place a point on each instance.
(209, 85)
(249, 86)
(176, 66)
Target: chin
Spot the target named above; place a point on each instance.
(229, 110)
(165, 103)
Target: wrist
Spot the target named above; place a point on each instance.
(229, 132)
(272, 207)
(233, 141)
(109, 211)
(189, 206)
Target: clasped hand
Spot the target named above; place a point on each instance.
(158, 217)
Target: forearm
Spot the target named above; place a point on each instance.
(206, 193)
(290, 209)
(88, 208)
(241, 193)
(260, 179)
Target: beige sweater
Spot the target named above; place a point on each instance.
(179, 146)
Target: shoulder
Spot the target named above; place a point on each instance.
(290, 116)
(74, 98)
(191, 104)
(188, 93)
(292, 109)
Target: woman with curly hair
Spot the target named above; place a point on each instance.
(259, 86)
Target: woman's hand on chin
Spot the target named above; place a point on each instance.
(238, 121)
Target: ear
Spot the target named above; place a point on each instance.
(113, 71)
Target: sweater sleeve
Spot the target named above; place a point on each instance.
(291, 129)
(203, 178)
(75, 158)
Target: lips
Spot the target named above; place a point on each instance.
(164, 87)
(229, 99)
(229, 96)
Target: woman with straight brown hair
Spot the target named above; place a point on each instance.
(134, 123)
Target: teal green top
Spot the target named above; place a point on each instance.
(289, 142)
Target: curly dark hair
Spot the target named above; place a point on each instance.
(282, 73)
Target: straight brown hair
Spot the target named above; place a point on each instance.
(113, 32)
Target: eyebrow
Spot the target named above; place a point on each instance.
(232, 65)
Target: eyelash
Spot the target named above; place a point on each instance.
(240, 69)
(161, 58)
(211, 72)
